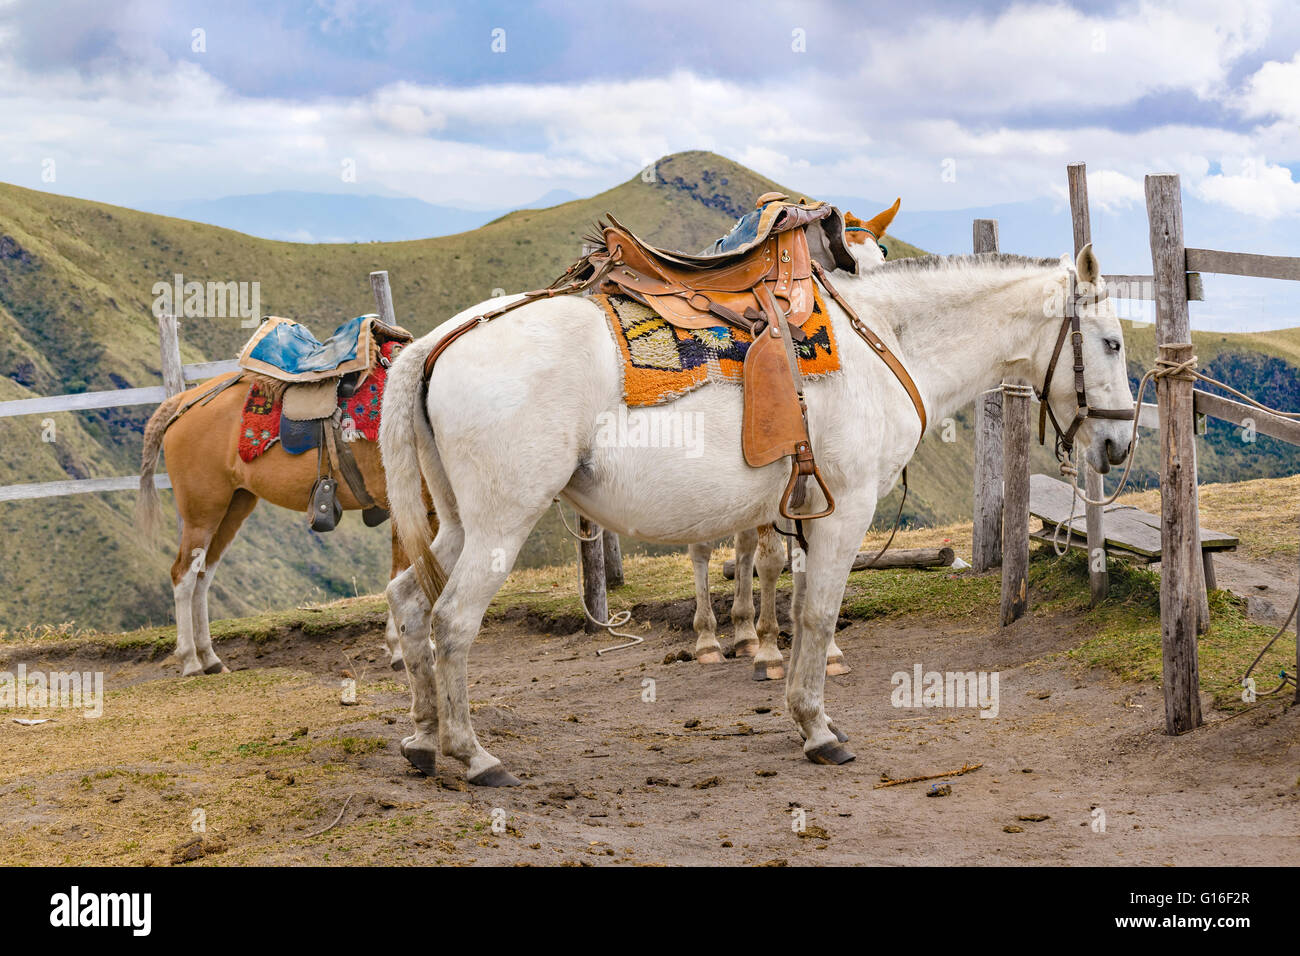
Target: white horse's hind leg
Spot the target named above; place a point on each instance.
(770, 558)
(411, 615)
(482, 568)
(707, 648)
(742, 605)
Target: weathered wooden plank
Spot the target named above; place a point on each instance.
(593, 574)
(109, 398)
(984, 235)
(202, 371)
(986, 538)
(1015, 507)
(1239, 413)
(1125, 527)
(75, 486)
(1243, 264)
(1045, 535)
(1143, 287)
(893, 558)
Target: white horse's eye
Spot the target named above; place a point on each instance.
(1112, 345)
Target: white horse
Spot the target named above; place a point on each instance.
(762, 547)
(509, 418)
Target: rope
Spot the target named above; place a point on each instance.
(1286, 678)
(618, 619)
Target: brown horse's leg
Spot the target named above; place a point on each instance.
(197, 531)
(241, 506)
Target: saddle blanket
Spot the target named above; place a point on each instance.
(260, 425)
(662, 362)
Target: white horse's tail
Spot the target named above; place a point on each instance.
(406, 441)
(148, 510)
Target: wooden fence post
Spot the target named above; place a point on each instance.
(593, 574)
(986, 539)
(1015, 511)
(383, 296)
(169, 342)
(1098, 576)
(987, 536)
(613, 560)
(1180, 563)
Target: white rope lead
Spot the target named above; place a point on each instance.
(618, 619)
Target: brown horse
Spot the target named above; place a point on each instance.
(216, 490)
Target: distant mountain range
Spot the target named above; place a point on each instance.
(293, 216)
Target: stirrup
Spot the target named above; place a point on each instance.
(804, 465)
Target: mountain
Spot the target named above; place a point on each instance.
(338, 217)
(76, 282)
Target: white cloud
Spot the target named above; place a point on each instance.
(1274, 90)
(1259, 189)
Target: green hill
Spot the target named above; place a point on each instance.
(76, 282)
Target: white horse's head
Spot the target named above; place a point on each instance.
(1100, 346)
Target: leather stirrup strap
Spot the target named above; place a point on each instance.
(877, 345)
(803, 464)
(342, 455)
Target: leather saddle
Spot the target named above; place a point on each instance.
(758, 279)
(318, 375)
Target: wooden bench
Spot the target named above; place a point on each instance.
(1128, 532)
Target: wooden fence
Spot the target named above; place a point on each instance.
(1001, 428)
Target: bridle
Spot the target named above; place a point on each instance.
(1071, 328)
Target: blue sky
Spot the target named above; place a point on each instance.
(951, 105)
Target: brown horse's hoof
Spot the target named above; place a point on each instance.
(495, 776)
(421, 759)
(217, 668)
(711, 656)
(769, 670)
(837, 666)
(745, 648)
(830, 754)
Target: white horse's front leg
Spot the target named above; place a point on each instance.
(832, 546)
(742, 605)
(707, 648)
(202, 628)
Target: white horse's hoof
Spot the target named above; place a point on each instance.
(746, 648)
(495, 776)
(422, 758)
(216, 668)
(832, 754)
(711, 656)
(836, 666)
(397, 664)
(769, 670)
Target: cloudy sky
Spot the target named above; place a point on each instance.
(952, 105)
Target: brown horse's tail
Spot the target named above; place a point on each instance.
(148, 511)
(411, 459)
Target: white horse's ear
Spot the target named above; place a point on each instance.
(1086, 265)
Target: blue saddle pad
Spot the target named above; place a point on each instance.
(290, 347)
(298, 437)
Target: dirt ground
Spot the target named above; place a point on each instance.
(708, 772)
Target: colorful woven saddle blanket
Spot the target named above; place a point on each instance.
(287, 351)
(263, 423)
(662, 362)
